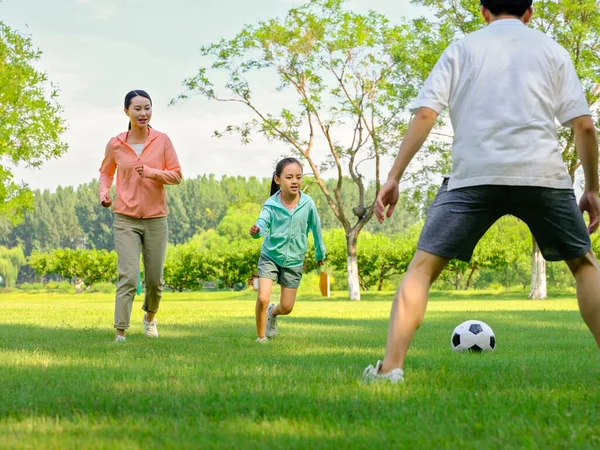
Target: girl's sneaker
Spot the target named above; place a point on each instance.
(119, 339)
(150, 328)
(271, 323)
(261, 340)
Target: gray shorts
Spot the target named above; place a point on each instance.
(288, 277)
(457, 220)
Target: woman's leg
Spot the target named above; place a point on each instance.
(128, 244)
(154, 249)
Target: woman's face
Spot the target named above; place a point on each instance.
(139, 112)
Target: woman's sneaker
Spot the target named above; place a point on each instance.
(262, 340)
(372, 374)
(150, 328)
(119, 339)
(271, 322)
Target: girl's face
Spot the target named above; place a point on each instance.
(290, 180)
(139, 112)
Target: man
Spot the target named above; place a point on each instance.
(505, 86)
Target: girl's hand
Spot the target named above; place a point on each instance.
(321, 263)
(254, 229)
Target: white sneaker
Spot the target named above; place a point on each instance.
(271, 322)
(261, 340)
(150, 328)
(372, 374)
(119, 339)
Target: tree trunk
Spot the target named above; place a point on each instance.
(468, 285)
(538, 274)
(353, 284)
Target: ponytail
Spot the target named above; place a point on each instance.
(274, 186)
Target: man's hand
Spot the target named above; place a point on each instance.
(254, 229)
(590, 203)
(388, 196)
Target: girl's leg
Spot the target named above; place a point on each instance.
(128, 244)
(286, 302)
(265, 286)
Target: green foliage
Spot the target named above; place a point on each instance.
(30, 122)
(210, 257)
(11, 261)
(234, 225)
(503, 245)
(86, 266)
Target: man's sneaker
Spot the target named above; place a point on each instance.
(119, 339)
(271, 322)
(372, 374)
(150, 328)
(261, 340)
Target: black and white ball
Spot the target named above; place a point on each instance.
(473, 336)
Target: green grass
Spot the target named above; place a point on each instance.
(206, 384)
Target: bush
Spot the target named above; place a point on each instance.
(29, 287)
(102, 288)
(63, 287)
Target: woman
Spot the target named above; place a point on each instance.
(146, 161)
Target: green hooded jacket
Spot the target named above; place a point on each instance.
(286, 232)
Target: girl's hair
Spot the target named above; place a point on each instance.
(131, 95)
(279, 168)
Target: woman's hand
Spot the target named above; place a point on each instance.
(254, 229)
(106, 203)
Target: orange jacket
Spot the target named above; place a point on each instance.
(142, 197)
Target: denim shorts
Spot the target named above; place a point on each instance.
(288, 277)
(458, 219)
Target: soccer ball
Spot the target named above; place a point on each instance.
(474, 336)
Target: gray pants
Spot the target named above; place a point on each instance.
(132, 237)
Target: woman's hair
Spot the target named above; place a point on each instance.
(279, 168)
(131, 95)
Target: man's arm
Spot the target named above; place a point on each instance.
(415, 136)
(586, 143)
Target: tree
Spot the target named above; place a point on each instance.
(87, 266)
(30, 121)
(575, 24)
(345, 80)
(237, 221)
(11, 261)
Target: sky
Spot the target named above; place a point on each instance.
(98, 50)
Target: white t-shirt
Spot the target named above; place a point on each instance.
(138, 148)
(505, 85)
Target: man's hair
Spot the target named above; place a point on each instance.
(515, 8)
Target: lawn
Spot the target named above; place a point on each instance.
(205, 383)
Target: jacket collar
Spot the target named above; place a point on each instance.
(152, 134)
(274, 200)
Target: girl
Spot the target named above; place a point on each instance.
(146, 161)
(285, 220)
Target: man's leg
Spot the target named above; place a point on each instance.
(409, 306)
(587, 276)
